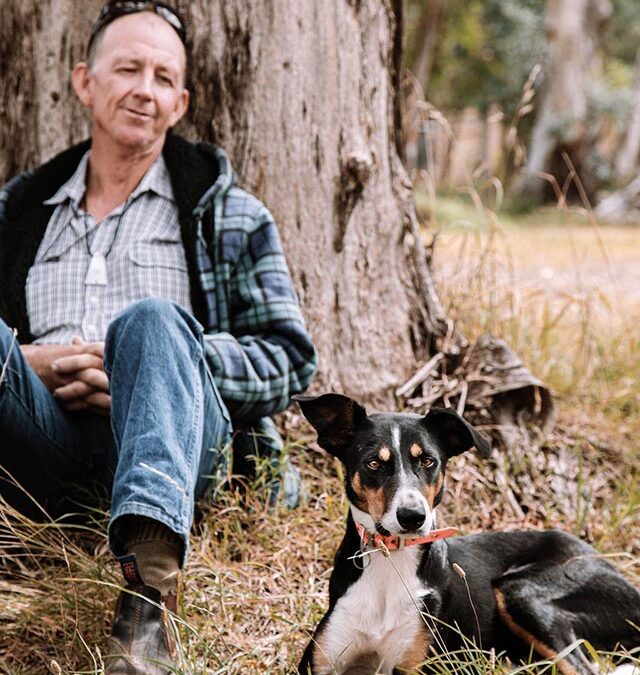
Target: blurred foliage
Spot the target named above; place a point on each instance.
(486, 48)
(622, 38)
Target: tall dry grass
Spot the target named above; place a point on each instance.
(564, 292)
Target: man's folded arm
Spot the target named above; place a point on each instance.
(267, 355)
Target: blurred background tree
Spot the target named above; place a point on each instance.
(470, 60)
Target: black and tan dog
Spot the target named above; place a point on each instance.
(527, 591)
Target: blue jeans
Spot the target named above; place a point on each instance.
(164, 440)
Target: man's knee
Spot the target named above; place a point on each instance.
(148, 311)
(153, 314)
(7, 339)
(152, 321)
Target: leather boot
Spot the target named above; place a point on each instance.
(142, 640)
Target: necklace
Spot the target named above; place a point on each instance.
(97, 271)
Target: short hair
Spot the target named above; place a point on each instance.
(93, 46)
(114, 9)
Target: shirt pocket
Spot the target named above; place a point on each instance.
(54, 293)
(156, 269)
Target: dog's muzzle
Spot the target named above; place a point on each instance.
(411, 518)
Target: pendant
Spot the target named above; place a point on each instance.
(97, 272)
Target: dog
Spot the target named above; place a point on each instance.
(401, 589)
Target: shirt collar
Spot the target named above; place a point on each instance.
(74, 189)
(156, 180)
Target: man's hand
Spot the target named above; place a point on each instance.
(41, 358)
(74, 373)
(87, 386)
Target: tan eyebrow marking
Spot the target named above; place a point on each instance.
(416, 450)
(384, 453)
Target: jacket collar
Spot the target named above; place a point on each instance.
(36, 187)
(193, 167)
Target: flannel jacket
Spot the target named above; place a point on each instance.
(256, 343)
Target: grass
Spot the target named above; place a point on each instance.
(563, 292)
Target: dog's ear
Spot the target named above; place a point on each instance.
(454, 433)
(335, 418)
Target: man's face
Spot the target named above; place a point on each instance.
(135, 86)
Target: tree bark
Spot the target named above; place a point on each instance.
(573, 34)
(303, 97)
(39, 43)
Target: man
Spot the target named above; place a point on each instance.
(114, 255)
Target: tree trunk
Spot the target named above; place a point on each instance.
(573, 34)
(626, 164)
(303, 97)
(427, 38)
(417, 129)
(39, 43)
(621, 207)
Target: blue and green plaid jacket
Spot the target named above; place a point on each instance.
(257, 345)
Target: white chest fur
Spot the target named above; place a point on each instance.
(377, 618)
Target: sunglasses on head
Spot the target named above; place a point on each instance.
(113, 10)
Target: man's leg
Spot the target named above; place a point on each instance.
(171, 427)
(57, 458)
(168, 419)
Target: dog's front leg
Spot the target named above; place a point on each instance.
(313, 662)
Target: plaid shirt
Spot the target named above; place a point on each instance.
(257, 346)
(144, 258)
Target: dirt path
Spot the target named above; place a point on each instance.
(555, 263)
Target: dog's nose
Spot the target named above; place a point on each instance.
(411, 518)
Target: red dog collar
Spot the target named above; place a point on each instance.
(395, 542)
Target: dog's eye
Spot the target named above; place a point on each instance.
(427, 462)
(374, 464)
